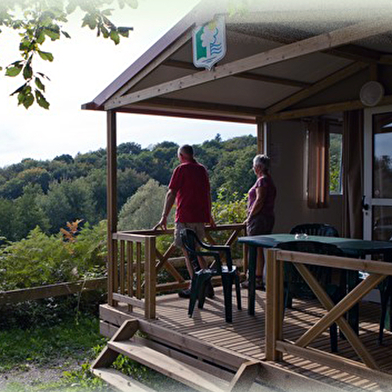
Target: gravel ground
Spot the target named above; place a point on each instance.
(32, 375)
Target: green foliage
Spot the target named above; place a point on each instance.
(41, 259)
(229, 208)
(144, 209)
(40, 20)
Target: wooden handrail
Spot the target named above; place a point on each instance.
(275, 345)
(135, 254)
(234, 226)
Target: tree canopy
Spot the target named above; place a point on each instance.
(37, 21)
(50, 193)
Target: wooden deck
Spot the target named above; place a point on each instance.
(245, 336)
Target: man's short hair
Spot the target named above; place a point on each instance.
(186, 149)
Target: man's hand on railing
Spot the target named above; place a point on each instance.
(161, 224)
(212, 222)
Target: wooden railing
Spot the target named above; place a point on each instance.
(276, 345)
(136, 263)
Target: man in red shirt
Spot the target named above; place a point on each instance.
(189, 187)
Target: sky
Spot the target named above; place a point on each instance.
(83, 66)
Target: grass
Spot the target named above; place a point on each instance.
(40, 345)
(62, 346)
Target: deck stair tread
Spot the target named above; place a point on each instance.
(120, 381)
(179, 371)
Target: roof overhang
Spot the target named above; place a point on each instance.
(277, 67)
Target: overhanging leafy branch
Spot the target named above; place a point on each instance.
(39, 20)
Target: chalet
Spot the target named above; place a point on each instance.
(305, 73)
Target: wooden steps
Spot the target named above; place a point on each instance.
(188, 371)
(173, 368)
(120, 381)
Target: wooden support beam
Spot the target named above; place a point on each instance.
(322, 109)
(261, 131)
(245, 75)
(204, 107)
(111, 199)
(297, 49)
(150, 278)
(317, 87)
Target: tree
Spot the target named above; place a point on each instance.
(143, 210)
(38, 20)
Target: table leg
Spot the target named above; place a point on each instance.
(252, 280)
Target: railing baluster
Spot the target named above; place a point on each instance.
(130, 271)
(115, 269)
(122, 267)
(138, 270)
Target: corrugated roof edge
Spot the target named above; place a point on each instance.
(166, 40)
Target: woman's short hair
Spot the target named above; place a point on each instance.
(262, 161)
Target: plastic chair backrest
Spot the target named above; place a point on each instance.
(189, 241)
(321, 229)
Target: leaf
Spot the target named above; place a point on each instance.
(41, 37)
(124, 31)
(41, 100)
(71, 7)
(46, 56)
(105, 32)
(13, 71)
(66, 35)
(28, 101)
(133, 3)
(39, 84)
(52, 34)
(24, 45)
(27, 72)
(42, 75)
(115, 37)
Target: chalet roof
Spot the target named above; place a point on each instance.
(316, 78)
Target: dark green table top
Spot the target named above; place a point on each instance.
(351, 247)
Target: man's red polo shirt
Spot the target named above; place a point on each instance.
(190, 181)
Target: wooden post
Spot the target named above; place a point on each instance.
(261, 128)
(270, 341)
(111, 199)
(274, 306)
(150, 278)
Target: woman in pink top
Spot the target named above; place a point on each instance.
(260, 215)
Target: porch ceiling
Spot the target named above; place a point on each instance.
(252, 94)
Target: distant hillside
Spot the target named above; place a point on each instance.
(50, 193)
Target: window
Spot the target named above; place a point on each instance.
(324, 152)
(335, 163)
